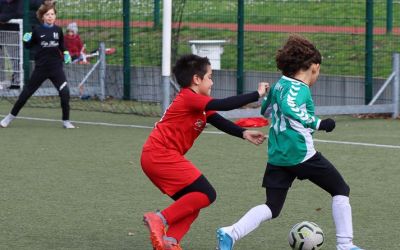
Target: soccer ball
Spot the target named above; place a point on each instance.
(306, 236)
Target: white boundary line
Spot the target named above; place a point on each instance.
(359, 144)
(83, 122)
(207, 132)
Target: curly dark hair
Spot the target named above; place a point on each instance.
(189, 65)
(43, 10)
(296, 54)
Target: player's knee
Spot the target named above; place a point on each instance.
(64, 94)
(346, 190)
(64, 89)
(275, 210)
(343, 189)
(211, 194)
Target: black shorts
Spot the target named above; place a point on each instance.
(317, 169)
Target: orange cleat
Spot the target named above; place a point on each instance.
(170, 244)
(156, 228)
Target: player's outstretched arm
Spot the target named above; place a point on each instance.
(254, 136)
(225, 125)
(238, 101)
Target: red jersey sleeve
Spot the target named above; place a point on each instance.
(196, 102)
(210, 113)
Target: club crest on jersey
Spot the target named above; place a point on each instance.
(199, 125)
(55, 35)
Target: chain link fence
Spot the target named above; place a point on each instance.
(338, 28)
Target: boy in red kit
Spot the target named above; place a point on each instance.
(163, 153)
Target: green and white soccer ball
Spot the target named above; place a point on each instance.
(306, 236)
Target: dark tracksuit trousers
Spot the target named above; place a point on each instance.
(39, 75)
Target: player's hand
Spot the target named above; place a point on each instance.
(327, 124)
(67, 57)
(254, 136)
(27, 37)
(263, 88)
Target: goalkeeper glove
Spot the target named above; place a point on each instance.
(27, 37)
(67, 57)
(327, 124)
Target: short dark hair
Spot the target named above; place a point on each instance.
(187, 66)
(297, 53)
(43, 9)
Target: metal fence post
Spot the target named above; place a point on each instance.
(369, 40)
(389, 16)
(240, 48)
(396, 84)
(26, 28)
(156, 14)
(102, 70)
(127, 50)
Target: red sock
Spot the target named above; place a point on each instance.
(184, 211)
(180, 228)
(185, 206)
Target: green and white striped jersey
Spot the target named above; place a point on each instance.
(292, 122)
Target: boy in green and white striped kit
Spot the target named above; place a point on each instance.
(291, 152)
(292, 122)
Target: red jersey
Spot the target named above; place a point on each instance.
(182, 122)
(73, 44)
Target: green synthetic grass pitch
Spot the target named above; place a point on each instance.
(84, 188)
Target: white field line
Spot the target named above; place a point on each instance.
(359, 144)
(207, 132)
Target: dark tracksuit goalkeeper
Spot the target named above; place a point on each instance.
(48, 41)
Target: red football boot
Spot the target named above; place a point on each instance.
(156, 228)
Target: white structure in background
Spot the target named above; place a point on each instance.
(11, 58)
(212, 49)
(166, 54)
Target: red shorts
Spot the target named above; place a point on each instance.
(168, 170)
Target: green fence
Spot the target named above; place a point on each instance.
(338, 28)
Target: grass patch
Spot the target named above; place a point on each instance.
(84, 188)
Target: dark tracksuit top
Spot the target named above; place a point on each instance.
(49, 45)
